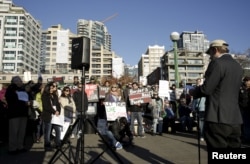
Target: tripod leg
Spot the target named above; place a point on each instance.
(64, 141)
(107, 144)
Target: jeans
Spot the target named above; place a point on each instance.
(186, 121)
(47, 132)
(111, 137)
(158, 121)
(138, 117)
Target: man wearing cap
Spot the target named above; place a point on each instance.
(223, 119)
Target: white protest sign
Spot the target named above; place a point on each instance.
(164, 89)
(115, 110)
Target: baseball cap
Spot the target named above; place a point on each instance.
(217, 43)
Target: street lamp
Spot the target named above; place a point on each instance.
(175, 36)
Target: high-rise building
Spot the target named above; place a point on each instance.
(96, 31)
(56, 50)
(150, 60)
(143, 66)
(20, 41)
(193, 41)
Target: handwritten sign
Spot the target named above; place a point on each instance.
(115, 110)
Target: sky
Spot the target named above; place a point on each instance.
(142, 23)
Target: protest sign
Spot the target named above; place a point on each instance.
(115, 110)
(92, 92)
(103, 91)
(139, 96)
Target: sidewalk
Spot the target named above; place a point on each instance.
(169, 148)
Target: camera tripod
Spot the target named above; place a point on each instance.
(80, 123)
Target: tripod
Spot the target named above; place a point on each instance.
(81, 120)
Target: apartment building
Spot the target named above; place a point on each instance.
(96, 31)
(56, 50)
(191, 65)
(150, 60)
(20, 35)
(193, 41)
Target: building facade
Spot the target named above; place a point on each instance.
(96, 31)
(56, 50)
(20, 37)
(193, 41)
(150, 60)
(191, 65)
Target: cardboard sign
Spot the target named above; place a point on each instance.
(92, 92)
(115, 110)
(139, 96)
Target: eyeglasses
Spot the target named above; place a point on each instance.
(67, 90)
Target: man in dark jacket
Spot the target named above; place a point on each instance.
(221, 88)
(18, 104)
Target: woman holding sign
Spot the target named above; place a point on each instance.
(51, 107)
(114, 94)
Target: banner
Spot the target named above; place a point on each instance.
(92, 92)
(139, 96)
(115, 110)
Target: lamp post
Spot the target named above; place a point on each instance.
(175, 36)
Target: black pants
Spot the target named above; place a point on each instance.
(222, 136)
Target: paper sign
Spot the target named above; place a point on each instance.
(115, 110)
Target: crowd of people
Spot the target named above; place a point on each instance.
(30, 108)
(220, 106)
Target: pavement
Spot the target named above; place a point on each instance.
(168, 149)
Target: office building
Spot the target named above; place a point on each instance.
(56, 50)
(193, 41)
(96, 31)
(20, 37)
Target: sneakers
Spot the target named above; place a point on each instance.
(72, 136)
(118, 146)
(202, 139)
(143, 136)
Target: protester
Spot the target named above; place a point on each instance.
(51, 106)
(198, 104)
(244, 102)
(39, 109)
(18, 104)
(157, 113)
(169, 120)
(135, 112)
(119, 133)
(68, 107)
(184, 116)
(223, 119)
